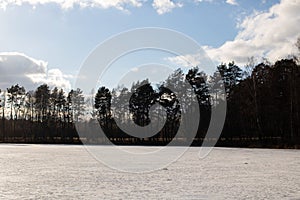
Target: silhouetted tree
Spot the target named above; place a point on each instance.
(76, 104)
(16, 99)
(42, 102)
(143, 97)
(103, 106)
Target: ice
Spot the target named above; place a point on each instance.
(70, 172)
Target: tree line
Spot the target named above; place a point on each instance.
(262, 109)
(40, 116)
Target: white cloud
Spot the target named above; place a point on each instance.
(189, 60)
(68, 4)
(135, 69)
(161, 6)
(18, 68)
(271, 34)
(199, 1)
(232, 2)
(165, 6)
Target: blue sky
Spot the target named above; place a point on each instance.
(63, 33)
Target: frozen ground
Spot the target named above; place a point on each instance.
(69, 172)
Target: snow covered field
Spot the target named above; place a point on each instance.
(70, 172)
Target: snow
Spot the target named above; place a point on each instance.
(70, 172)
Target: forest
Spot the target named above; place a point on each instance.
(262, 109)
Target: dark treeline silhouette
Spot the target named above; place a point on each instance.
(262, 109)
(40, 116)
(262, 105)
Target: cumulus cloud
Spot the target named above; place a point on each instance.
(18, 68)
(165, 6)
(231, 2)
(68, 4)
(270, 34)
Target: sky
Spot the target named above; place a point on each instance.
(46, 41)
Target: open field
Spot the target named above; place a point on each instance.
(70, 172)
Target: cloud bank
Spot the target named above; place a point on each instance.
(270, 34)
(68, 4)
(18, 68)
(161, 6)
